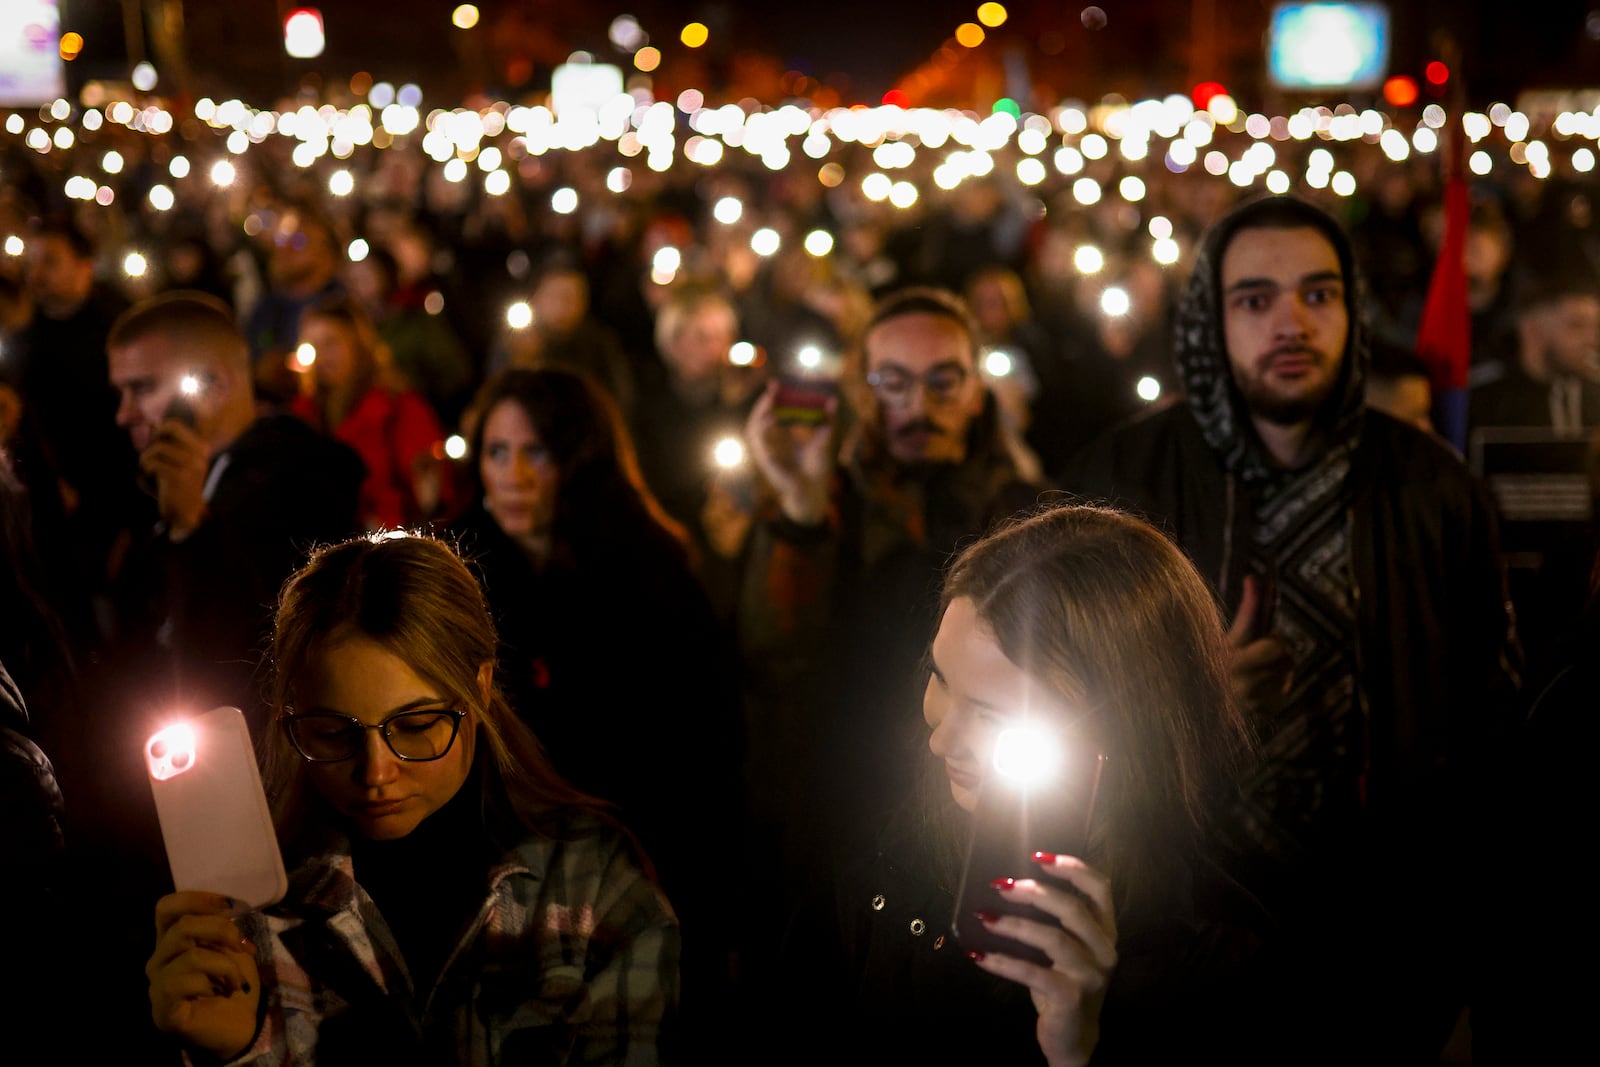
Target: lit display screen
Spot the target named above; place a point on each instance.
(1329, 45)
(30, 56)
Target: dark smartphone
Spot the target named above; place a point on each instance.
(1011, 823)
(180, 409)
(803, 400)
(1266, 603)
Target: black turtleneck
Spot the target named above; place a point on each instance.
(429, 884)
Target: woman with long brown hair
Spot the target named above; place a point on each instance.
(1089, 629)
(610, 649)
(452, 899)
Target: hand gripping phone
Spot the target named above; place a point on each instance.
(1037, 797)
(214, 818)
(803, 401)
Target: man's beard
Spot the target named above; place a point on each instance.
(1269, 405)
(1279, 410)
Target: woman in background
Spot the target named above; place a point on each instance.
(610, 648)
(357, 398)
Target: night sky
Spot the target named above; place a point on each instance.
(1143, 48)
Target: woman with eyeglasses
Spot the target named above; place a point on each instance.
(1084, 633)
(451, 898)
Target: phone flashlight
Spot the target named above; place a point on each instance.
(305, 356)
(742, 354)
(997, 363)
(181, 407)
(171, 751)
(728, 454)
(1025, 756)
(1037, 796)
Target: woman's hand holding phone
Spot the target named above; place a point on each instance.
(1081, 946)
(205, 987)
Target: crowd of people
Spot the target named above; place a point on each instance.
(660, 567)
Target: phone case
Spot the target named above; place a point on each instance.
(214, 818)
(803, 400)
(1009, 826)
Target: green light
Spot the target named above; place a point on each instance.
(1009, 106)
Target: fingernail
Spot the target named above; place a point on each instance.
(975, 956)
(986, 917)
(1045, 857)
(1003, 884)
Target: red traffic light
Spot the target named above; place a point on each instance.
(1204, 92)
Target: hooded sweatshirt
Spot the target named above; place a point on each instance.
(1311, 779)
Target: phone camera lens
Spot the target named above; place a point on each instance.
(180, 761)
(158, 749)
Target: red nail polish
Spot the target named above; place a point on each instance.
(974, 956)
(1003, 883)
(1044, 857)
(986, 917)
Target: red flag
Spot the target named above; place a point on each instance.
(1444, 338)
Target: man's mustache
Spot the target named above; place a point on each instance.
(924, 425)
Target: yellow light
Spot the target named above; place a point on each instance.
(969, 35)
(519, 316)
(647, 58)
(71, 45)
(14, 245)
(991, 15)
(695, 34)
(134, 265)
(464, 17)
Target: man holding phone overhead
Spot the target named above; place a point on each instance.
(841, 577)
(1370, 637)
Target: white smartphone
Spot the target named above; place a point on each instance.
(214, 818)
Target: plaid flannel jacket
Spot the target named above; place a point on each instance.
(572, 959)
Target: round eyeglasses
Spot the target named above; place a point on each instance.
(413, 736)
(895, 385)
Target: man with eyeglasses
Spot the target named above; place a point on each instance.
(1370, 639)
(841, 580)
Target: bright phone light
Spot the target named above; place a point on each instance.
(809, 357)
(729, 453)
(519, 316)
(455, 446)
(189, 385)
(170, 752)
(305, 355)
(997, 363)
(742, 354)
(1026, 755)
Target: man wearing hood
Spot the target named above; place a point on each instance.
(1372, 643)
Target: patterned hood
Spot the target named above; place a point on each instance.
(1203, 361)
